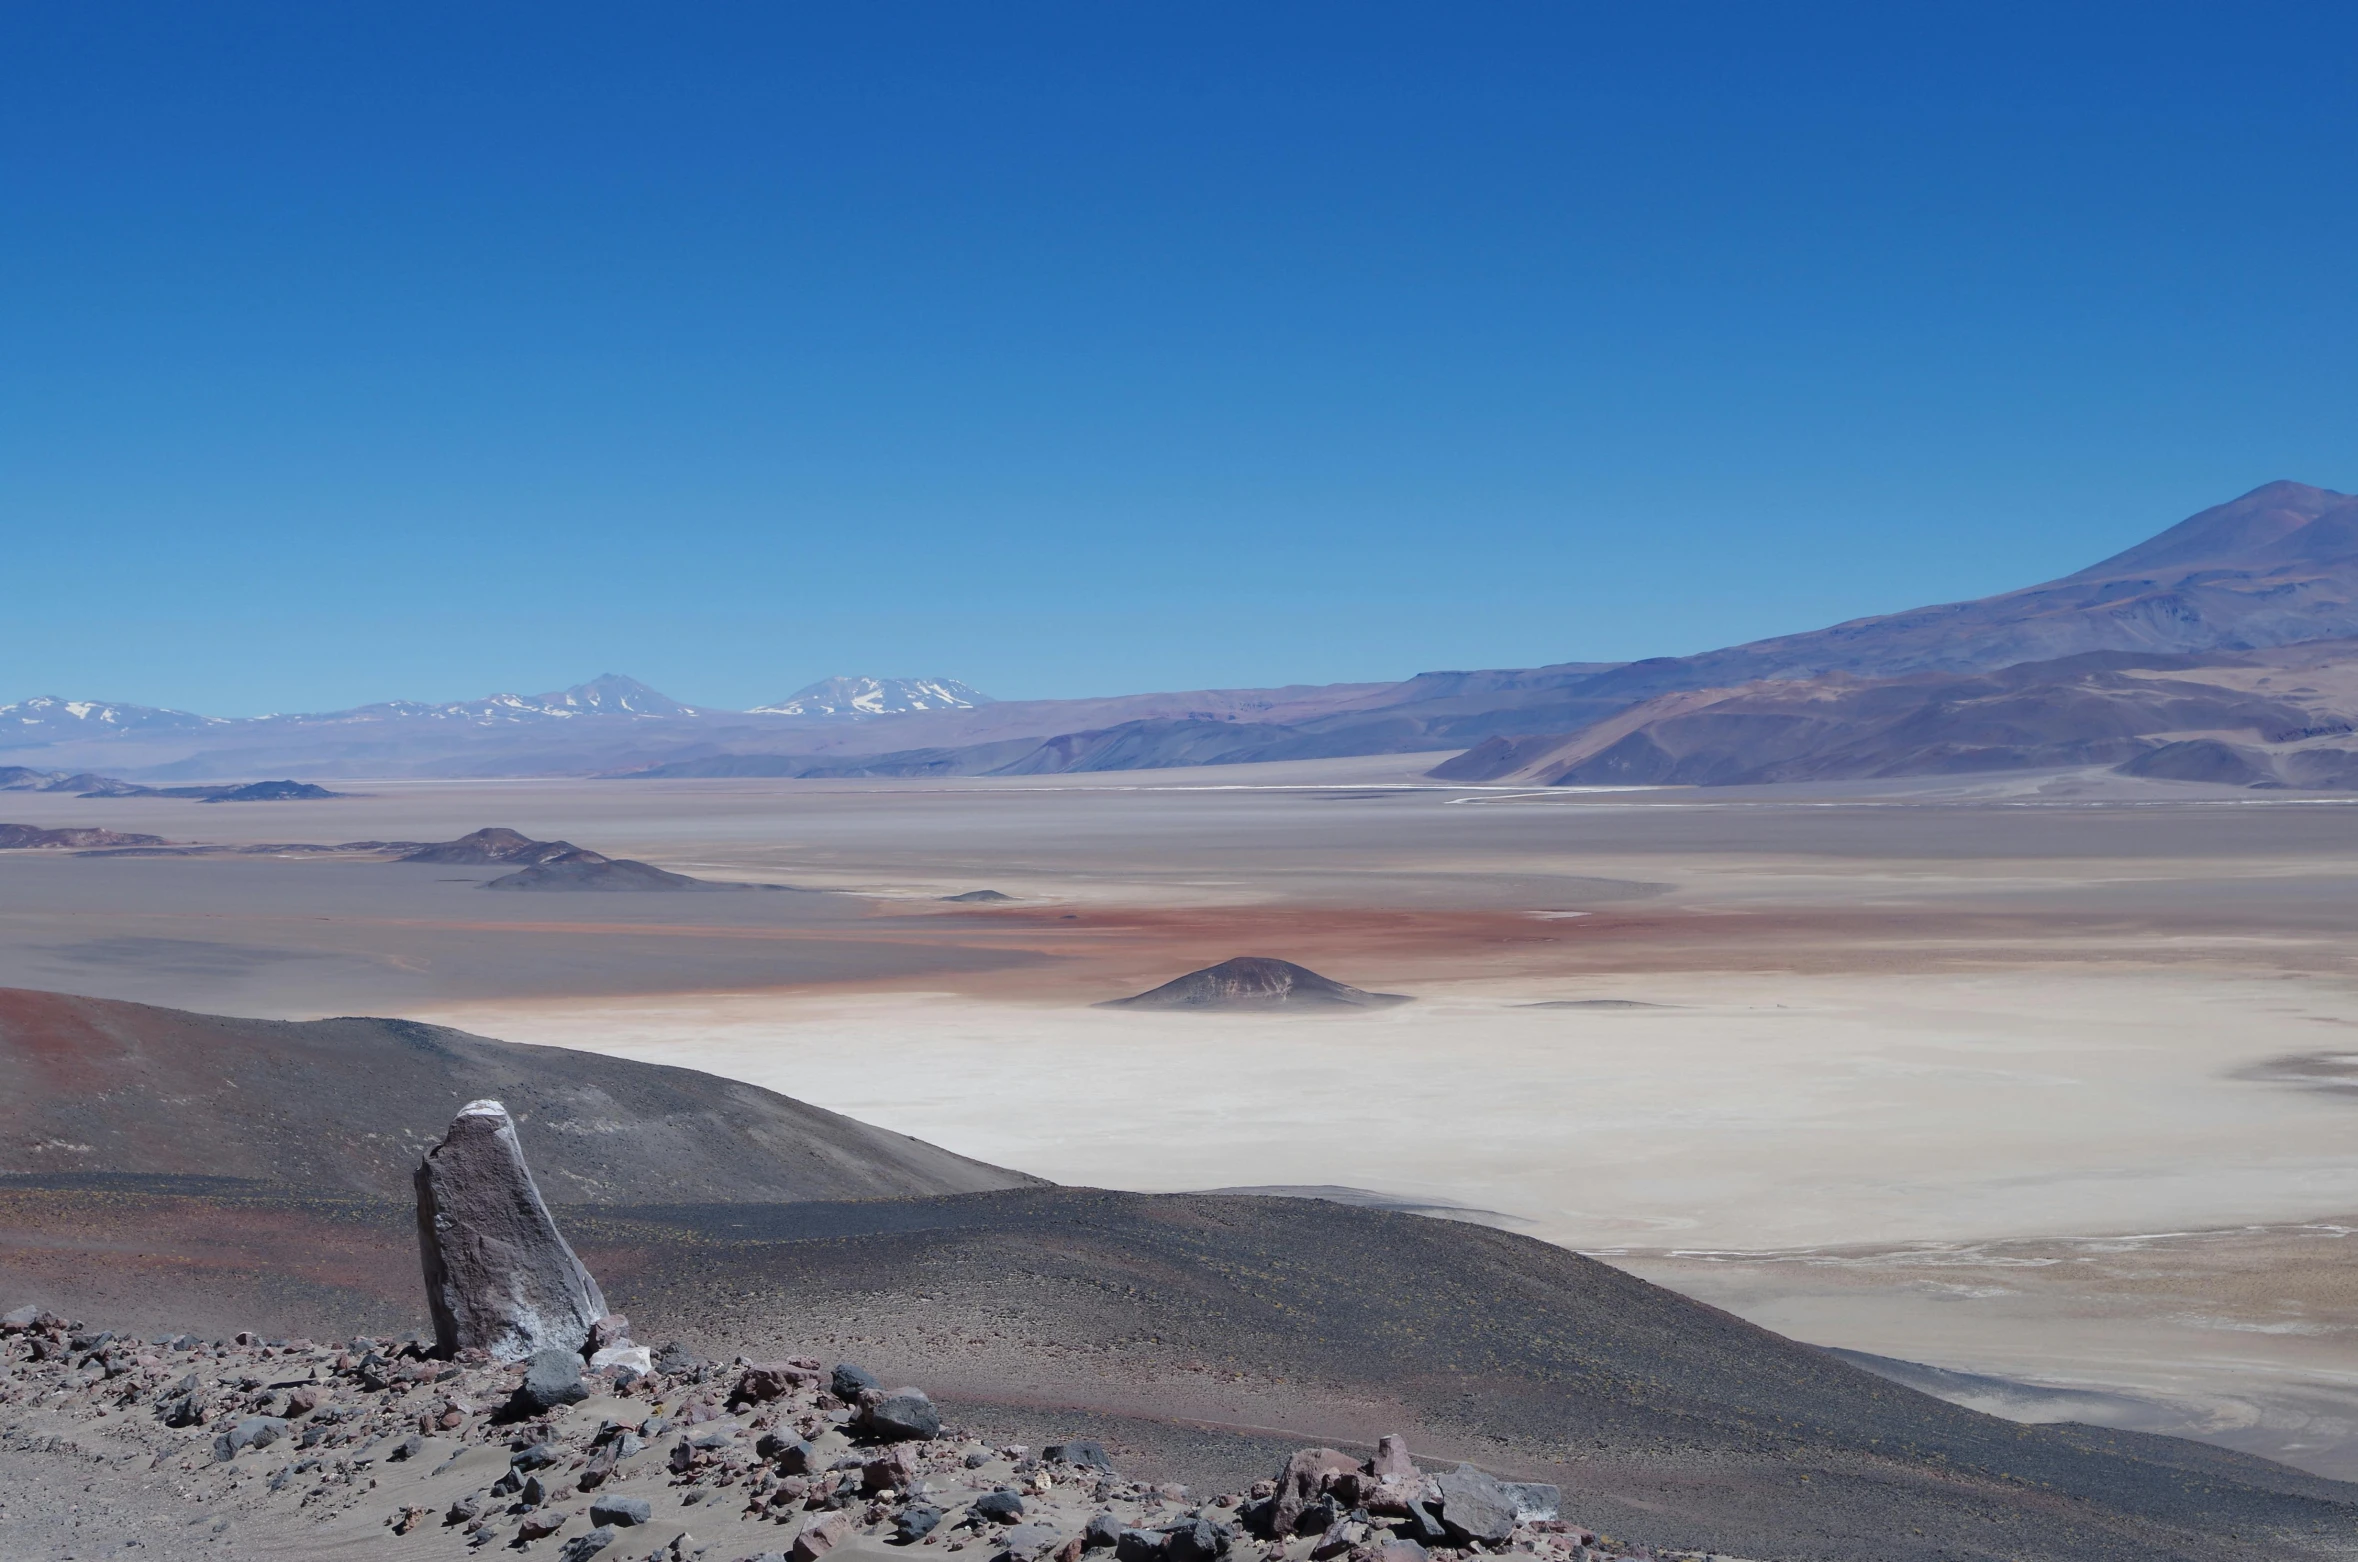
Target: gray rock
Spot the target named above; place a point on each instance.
(915, 1523)
(587, 1545)
(1028, 1540)
(901, 1416)
(252, 1432)
(1475, 1507)
(1001, 1506)
(1391, 1458)
(1102, 1531)
(1536, 1502)
(1080, 1450)
(538, 1457)
(790, 1454)
(408, 1448)
(499, 1275)
(553, 1380)
(847, 1381)
(18, 1321)
(1141, 1545)
(1198, 1540)
(621, 1510)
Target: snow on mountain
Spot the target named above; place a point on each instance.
(47, 717)
(609, 694)
(856, 697)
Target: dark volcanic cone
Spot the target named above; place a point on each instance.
(588, 870)
(1256, 982)
(494, 844)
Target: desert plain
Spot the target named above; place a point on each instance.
(2041, 1086)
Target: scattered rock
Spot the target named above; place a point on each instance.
(1000, 1507)
(1475, 1507)
(904, 1415)
(1080, 1451)
(896, 1471)
(765, 1381)
(915, 1523)
(848, 1382)
(790, 1454)
(537, 1457)
(499, 1275)
(816, 1540)
(1303, 1482)
(1028, 1540)
(586, 1545)
(252, 1432)
(1199, 1540)
(552, 1381)
(621, 1510)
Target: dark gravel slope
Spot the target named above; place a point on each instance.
(348, 1106)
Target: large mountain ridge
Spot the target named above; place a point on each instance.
(2275, 567)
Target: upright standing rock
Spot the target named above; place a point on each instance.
(498, 1273)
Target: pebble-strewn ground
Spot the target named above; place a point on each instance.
(250, 1448)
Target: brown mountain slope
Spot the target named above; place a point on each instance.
(2285, 715)
(346, 1106)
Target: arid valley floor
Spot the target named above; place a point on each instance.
(2047, 1081)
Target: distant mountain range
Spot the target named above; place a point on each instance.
(856, 697)
(2057, 673)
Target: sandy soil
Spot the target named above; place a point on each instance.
(1973, 1015)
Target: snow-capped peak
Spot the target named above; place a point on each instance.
(856, 697)
(49, 715)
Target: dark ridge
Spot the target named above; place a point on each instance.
(975, 897)
(272, 792)
(22, 837)
(587, 870)
(343, 1105)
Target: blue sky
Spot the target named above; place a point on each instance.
(372, 350)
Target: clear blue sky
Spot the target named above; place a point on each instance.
(353, 351)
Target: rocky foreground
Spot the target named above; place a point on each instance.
(532, 1419)
(382, 1447)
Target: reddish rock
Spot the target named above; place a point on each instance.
(762, 1382)
(816, 1540)
(1303, 1481)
